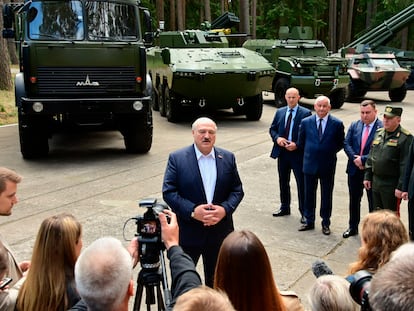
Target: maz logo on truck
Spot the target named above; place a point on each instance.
(87, 82)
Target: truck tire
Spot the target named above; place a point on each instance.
(398, 95)
(337, 98)
(356, 90)
(137, 134)
(161, 100)
(280, 87)
(155, 101)
(33, 134)
(254, 107)
(172, 106)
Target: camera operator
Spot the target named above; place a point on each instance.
(183, 273)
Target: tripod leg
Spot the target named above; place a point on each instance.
(161, 306)
(138, 296)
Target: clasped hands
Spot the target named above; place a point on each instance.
(287, 144)
(209, 214)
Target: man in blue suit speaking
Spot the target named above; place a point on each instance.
(321, 136)
(202, 186)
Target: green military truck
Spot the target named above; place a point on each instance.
(303, 63)
(82, 64)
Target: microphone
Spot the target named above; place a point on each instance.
(319, 268)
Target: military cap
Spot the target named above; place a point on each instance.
(391, 111)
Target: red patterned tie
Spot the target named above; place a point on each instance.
(364, 139)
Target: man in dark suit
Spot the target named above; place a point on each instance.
(408, 190)
(321, 136)
(284, 131)
(202, 186)
(357, 144)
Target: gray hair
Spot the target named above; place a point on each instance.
(202, 120)
(103, 272)
(331, 293)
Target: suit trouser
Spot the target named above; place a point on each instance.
(411, 218)
(210, 255)
(287, 161)
(356, 190)
(327, 185)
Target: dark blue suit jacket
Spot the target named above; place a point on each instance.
(319, 156)
(352, 144)
(277, 128)
(183, 190)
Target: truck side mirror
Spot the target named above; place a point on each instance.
(148, 33)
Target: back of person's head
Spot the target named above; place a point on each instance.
(52, 265)
(406, 249)
(392, 287)
(203, 298)
(331, 293)
(382, 232)
(4, 261)
(8, 175)
(103, 275)
(244, 272)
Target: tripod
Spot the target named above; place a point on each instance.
(151, 280)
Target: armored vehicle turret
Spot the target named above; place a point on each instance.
(198, 68)
(374, 67)
(303, 63)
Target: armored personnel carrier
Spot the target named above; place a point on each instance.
(375, 67)
(198, 68)
(303, 62)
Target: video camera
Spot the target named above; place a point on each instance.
(149, 234)
(360, 283)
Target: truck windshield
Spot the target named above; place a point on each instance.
(88, 20)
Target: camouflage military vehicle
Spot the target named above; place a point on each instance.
(374, 67)
(198, 68)
(303, 63)
(376, 72)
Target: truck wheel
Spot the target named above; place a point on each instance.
(172, 106)
(254, 107)
(137, 134)
(356, 90)
(33, 134)
(281, 85)
(155, 101)
(398, 95)
(161, 101)
(337, 98)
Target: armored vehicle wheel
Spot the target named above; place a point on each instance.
(254, 107)
(154, 101)
(356, 90)
(137, 134)
(161, 100)
(172, 106)
(33, 135)
(398, 95)
(280, 87)
(337, 98)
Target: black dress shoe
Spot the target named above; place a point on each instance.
(303, 220)
(349, 232)
(326, 230)
(306, 227)
(281, 212)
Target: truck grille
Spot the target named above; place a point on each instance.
(52, 81)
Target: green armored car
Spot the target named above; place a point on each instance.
(303, 63)
(83, 65)
(198, 68)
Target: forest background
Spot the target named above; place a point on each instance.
(335, 22)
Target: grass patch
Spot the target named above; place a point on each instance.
(8, 111)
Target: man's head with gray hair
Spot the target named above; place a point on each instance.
(103, 275)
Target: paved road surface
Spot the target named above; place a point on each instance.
(92, 177)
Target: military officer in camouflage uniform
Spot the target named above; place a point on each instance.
(385, 166)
